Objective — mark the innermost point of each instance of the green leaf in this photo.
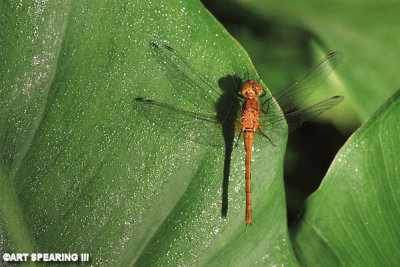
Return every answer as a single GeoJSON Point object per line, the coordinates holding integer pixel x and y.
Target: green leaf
{"type": "Point", "coordinates": [81, 171]}
{"type": "Point", "coordinates": [353, 218]}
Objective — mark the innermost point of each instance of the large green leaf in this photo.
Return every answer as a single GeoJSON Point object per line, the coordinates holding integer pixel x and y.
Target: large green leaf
{"type": "Point", "coordinates": [353, 218]}
{"type": "Point", "coordinates": [81, 171]}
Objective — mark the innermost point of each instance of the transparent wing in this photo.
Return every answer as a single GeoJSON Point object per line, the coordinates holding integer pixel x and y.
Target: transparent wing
{"type": "Point", "coordinates": [189, 83]}
{"type": "Point", "coordinates": [272, 124]}
{"type": "Point", "coordinates": [200, 128]}
{"type": "Point", "coordinates": [296, 118]}
{"type": "Point", "coordinates": [291, 97]}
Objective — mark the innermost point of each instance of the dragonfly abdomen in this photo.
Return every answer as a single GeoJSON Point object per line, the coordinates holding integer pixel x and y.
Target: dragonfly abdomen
{"type": "Point", "coordinates": [249, 125]}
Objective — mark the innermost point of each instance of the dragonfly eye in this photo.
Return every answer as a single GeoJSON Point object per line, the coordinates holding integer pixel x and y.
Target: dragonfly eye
{"type": "Point", "coordinates": [246, 88]}
{"type": "Point", "coordinates": [257, 88]}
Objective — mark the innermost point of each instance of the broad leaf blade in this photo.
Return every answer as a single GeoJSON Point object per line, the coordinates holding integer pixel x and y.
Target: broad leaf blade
{"type": "Point", "coordinates": [353, 217]}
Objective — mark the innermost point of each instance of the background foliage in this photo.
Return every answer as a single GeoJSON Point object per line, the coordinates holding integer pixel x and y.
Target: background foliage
{"type": "Point", "coordinates": [81, 171]}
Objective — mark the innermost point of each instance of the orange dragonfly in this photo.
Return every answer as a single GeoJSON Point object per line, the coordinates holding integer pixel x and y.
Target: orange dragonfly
{"type": "Point", "coordinates": [209, 107]}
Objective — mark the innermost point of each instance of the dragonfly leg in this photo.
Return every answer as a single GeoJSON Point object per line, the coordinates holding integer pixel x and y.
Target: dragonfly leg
{"type": "Point", "coordinates": [266, 111]}
{"type": "Point", "coordinates": [237, 141]}
{"type": "Point", "coordinates": [266, 136]}
{"type": "Point", "coordinates": [263, 93]}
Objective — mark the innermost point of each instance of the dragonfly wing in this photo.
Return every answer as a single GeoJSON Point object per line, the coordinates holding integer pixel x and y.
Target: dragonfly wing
{"type": "Point", "coordinates": [296, 118]}
{"type": "Point", "coordinates": [298, 92]}
{"type": "Point", "coordinates": [200, 128]}
{"type": "Point", "coordinates": [187, 81]}
{"type": "Point", "coordinates": [272, 122]}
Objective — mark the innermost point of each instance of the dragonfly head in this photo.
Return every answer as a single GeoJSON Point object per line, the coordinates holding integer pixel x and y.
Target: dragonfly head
{"type": "Point", "coordinates": [251, 88]}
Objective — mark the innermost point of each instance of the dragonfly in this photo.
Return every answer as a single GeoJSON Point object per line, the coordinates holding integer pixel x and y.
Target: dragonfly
{"type": "Point", "coordinates": [211, 116]}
